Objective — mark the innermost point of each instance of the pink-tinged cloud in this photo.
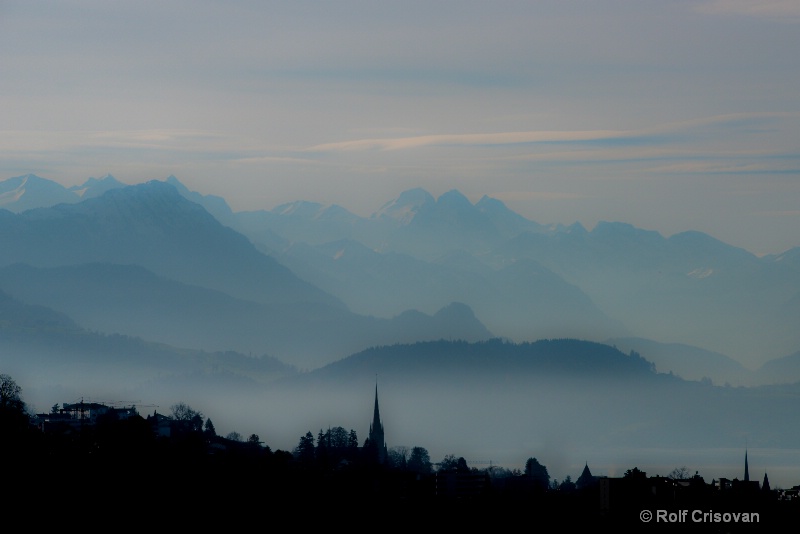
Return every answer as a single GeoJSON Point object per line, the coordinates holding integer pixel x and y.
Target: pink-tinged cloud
{"type": "Point", "coordinates": [503, 138]}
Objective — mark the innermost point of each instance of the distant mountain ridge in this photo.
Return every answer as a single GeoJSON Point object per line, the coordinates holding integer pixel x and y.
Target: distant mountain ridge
{"type": "Point", "coordinates": [30, 191]}
{"type": "Point", "coordinates": [56, 357]}
{"type": "Point", "coordinates": [689, 288]}
{"type": "Point", "coordinates": [131, 300]}
{"type": "Point", "coordinates": [488, 361]}
{"type": "Point", "coordinates": [284, 321]}
{"type": "Point", "coordinates": [143, 260]}
{"type": "Point", "coordinates": [525, 280]}
{"type": "Point", "coordinates": [152, 225]}
{"type": "Point", "coordinates": [690, 363]}
{"type": "Point", "coordinates": [495, 397]}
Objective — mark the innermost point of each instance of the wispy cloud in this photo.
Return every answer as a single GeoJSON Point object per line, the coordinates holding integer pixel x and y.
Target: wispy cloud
{"type": "Point", "coordinates": [483, 139]}
{"type": "Point", "coordinates": [707, 167]}
{"type": "Point", "coordinates": [656, 133]}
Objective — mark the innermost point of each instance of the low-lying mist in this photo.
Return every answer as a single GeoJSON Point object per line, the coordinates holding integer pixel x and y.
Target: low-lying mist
{"type": "Point", "coordinates": [565, 402]}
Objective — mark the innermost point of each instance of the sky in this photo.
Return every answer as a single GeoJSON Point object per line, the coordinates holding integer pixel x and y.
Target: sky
{"type": "Point", "coordinates": [671, 116]}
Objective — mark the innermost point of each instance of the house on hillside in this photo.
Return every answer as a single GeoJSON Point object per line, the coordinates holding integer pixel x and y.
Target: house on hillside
{"type": "Point", "coordinates": [161, 424]}
{"type": "Point", "coordinates": [81, 414]}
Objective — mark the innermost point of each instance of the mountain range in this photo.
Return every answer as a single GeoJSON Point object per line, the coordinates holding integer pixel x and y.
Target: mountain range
{"type": "Point", "coordinates": [162, 262]}
{"type": "Point", "coordinates": [482, 327]}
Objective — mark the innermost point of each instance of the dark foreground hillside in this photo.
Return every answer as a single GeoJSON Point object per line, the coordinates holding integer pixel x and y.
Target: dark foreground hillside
{"type": "Point", "coordinates": [114, 472]}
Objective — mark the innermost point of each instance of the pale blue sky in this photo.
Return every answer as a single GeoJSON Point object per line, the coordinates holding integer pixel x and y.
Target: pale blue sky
{"type": "Point", "coordinates": [671, 115]}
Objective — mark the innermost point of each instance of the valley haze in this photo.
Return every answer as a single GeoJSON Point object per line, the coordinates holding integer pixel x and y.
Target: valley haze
{"type": "Point", "coordinates": [562, 230]}
{"type": "Point", "coordinates": [489, 335]}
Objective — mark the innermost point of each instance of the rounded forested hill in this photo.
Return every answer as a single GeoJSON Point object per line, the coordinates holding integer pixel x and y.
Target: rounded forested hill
{"type": "Point", "coordinates": [460, 359]}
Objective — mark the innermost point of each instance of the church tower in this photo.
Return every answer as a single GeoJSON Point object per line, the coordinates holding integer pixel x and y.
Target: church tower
{"type": "Point", "coordinates": [746, 469]}
{"type": "Point", "coordinates": [586, 479]}
{"type": "Point", "coordinates": [375, 446]}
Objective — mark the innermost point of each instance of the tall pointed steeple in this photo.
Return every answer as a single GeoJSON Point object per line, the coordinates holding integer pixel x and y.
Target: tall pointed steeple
{"type": "Point", "coordinates": [376, 416]}
{"type": "Point", "coordinates": [376, 442]}
{"type": "Point", "coordinates": [746, 469]}
{"type": "Point", "coordinates": [586, 479]}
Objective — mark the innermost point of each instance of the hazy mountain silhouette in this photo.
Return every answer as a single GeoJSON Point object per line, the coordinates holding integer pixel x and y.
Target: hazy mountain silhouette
{"type": "Point", "coordinates": [26, 192]}
{"type": "Point", "coordinates": [384, 265]}
{"type": "Point", "coordinates": [130, 300]}
{"type": "Point", "coordinates": [153, 226]}
{"type": "Point", "coordinates": [690, 363]}
{"type": "Point", "coordinates": [54, 356]}
{"type": "Point", "coordinates": [487, 361]}
{"type": "Point", "coordinates": [308, 222]}
{"type": "Point", "coordinates": [94, 187]}
{"type": "Point", "coordinates": [507, 222]}
{"type": "Point", "coordinates": [98, 293]}
{"type": "Point", "coordinates": [494, 397]}
{"type": "Point", "coordinates": [689, 288]}
{"type": "Point", "coordinates": [524, 280]}
{"type": "Point", "coordinates": [216, 206]}
{"type": "Point", "coordinates": [198, 283]}
{"type": "Point", "coordinates": [30, 191]}
{"type": "Point", "coordinates": [520, 296]}
{"type": "Point", "coordinates": [17, 316]}
{"type": "Point", "coordinates": [490, 398]}
{"type": "Point", "coordinates": [785, 370]}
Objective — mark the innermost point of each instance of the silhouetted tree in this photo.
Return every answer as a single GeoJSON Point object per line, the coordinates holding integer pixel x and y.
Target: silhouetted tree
{"type": "Point", "coordinates": [322, 444]}
{"type": "Point", "coordinates": [234, 436]}
{"type": "Point", "coordinates": [254, 439]}
{"type": "Point", "coordinates": [634, 473]}
{"type": "Point", "coordinates": [14, 419]}
{"type": "Point", "coordinates": [398, 457]}
{"type": "Point", "coordinates": [452, 464]}
{"type": "Point", "coordinates": [182, 411]}
{"type": "Point", "coordinates": [448, 463]}
{"type": "Point", "coordinates": [304, 451]}
{"type": "Point", "coordinates": [461, 465]}
{"type": "Point", "coordinates": [10, 394]}
{"type": "Point", "coordinates": [335, 445]}
{"type": "Point", "coordinates": [419, 461]}
{"type": "Point", "coordinates": [537, 472]}
{"type": "Point", "coordinates": [187, 418]}
{"type": "Point", "coordinates": [338, 438]}
{"type": "Point", "coordinates": [567, 485]}
{"type": "Point", "coordinates": [496, 471]}
{"type": "Point", "coordinates": [209, 428]}
{"type": "Point", "coordinates": [679, 473]}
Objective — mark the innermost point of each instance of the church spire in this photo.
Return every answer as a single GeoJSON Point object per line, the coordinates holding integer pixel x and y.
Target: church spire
{"type": "Point", "coordinates": [746, 469]}
{"type": "Point", "coordinates": [376, 443]}
{"type": "Point", "coordinates": [586, 479]}
{"type": "Point", "coordinates": [376, 416]}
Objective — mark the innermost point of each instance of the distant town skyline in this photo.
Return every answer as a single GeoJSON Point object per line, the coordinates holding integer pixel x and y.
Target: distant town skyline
{"type": "Point", "coordinates": [669, 116]}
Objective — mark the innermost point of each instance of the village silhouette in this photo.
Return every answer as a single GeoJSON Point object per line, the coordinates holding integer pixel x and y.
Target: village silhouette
{"type": "Point", "coordinates": [104, 453]}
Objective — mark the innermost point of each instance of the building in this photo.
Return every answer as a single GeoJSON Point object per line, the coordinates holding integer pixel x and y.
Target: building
{"type": "Point", "coordinates": [375, 445]}
{"type": "Point", "coordinates": [81, 414]}
{"type": "Point", "coordinates": [586, 479]}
